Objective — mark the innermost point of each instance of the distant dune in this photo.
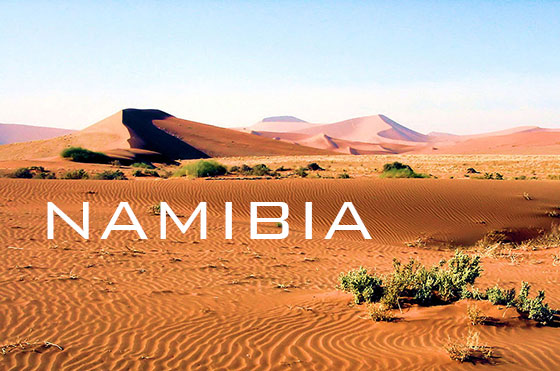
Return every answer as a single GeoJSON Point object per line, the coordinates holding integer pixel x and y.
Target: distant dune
{"type": "Point", "coordinates": [154, 135]}
{"type": "Point", "coordinates": [14, 133]}
{"type": "Point", "coordinates": [134, 134]}
{"type": "Point", "coordinates": [280, 124]}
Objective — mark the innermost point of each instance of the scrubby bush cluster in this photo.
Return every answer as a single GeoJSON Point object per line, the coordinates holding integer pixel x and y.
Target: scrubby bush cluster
{"type": "Point", "coordinates": [110, 175]}
{"type": "Point", "coordinates": [143, 165]}
{"type": "Point", "coordinates": [257, 170]}
{"type": "Point", "coordinates": [443, 283]}
{"type": "Point", "coordinates": [79, 154]}
{"type": "Point", "coordinates": [33, 172]}
{"type": "Point", "coordinates": [202, 169]}
{"type": "Point", "coordinates": [400, 170]}
{"type": "Point", "coordinates": [76, 174]}
{"type": "Point", "coordinates": [146, 172]}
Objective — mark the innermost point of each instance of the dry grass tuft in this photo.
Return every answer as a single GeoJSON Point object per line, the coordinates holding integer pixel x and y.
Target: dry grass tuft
{"type": "Point", "coordinates": [380, 312]}
{"type": "Point", "coordinates": [475, 315]}
{"type": "Point", "coordinates": [471, 350]}
{"type": "Point", "coordinates": [27, 346]}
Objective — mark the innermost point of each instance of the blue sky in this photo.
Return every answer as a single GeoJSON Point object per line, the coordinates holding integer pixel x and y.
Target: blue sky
{"type": "Point", "coordinates": [451, 66]}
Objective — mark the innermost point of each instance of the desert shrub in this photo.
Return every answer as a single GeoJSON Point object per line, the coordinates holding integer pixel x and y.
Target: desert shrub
{"type": "Point", "coordinates": [140, 173]}
{"type": "Point", "coordinates": [79, 154]}
{"type": "Point", "coordinates": [344, 175]}
{"type": "Point", "coordinates": [260, 170]}
{"type": "Point", "coordinates": [471, 350]}
{"type": "Point", "coordinates": [379, 312]}
{"type": "Point", "coordinates": [414, 281]}
{"type": "Point", "coordinates": [399, 170]}
{"type": "Point", "coordinates": [499, 296]}
{"type": "Point", "coordinates": [155, 209]}
{"type": "Point", "coordinates": [300, 171]}
{"type": "Point", "coordinates": [282, 168]}
{"type": "Point", "coordinates": [110, 175]}
{"type": "Point", "coordinates": [76, 174]}
{"type": "Point", "coordinates": [364, 287]}
{"type": "Point", "coordinates": [201, 169]}
{"type": "Point", "coordinates": [35, 172]}
{"type": "Point", "coordinates": [246, 169]}
{"type": "Point", "coordinates": [116, 163]}
{"type": "Point", "coordinates": [137, 173]}
{"type": "Point", "coordinates": [22, 172]}
{"type": "Point", "coordinates": [234, 169]}
{"type": "Point", "coordinates": [143, 165]}
{"type": "Point", "coordinates": [314, 167]}
{"type": "Point", "coordinates": [475, 315]}
{"type": "Point", "coordinates": [472, 170]}
{"type": "Point", "coordinates": [535, 308]}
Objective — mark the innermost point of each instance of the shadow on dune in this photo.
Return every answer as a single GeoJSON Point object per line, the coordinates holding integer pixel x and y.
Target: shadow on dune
{"type": "Point", "coordinates": [145, 135]}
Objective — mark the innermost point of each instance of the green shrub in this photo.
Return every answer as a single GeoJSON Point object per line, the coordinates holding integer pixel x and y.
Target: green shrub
{"type": "Point", "coordinates": [535, 308]}
{"type": "Point", "coordinates": [35, 172]}
{"type": "Point", "coordinates": [300, 171]}
{"type": "Point", "coordinates": [202, 168]}
{"type": "Point", "coordinates": [498, 296]}
{"type": "Point", "coordinates": [234, 169]}
{"type": "Point", "coordinates": [140, 173]}
{"type": "Point", "coordinates": [364, 287]}
{"type": "Point", "coordinates": [110, 175]}
{"type": "Point", "coordinates": [314, 167]}
{"type": "Point", "coordinates": [414, 281]}
{"type": "Point", "coordinates": [344, 175]}
{"type": "Point", "coordinates": [143, 165]}
{"type": "Point", "coordinates": [79, 154]}
{"type": "Point", "coordinates": [22, 172]}
{"type": "Point", "coordinates": [76, 174]}
{"type": "Point", "coordinates": [260, 170]}
{"type": "Point", "coordinates": [399, 170]}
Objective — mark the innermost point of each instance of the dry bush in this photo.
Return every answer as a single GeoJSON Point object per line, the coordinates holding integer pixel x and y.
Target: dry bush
{"type": "Point", "coordinates": [475, 315]}
{"type": "Point", "coordinates": [27, 346]}
{"type": "Point", "coordinates": [380, 312]}
{"type": "Point", "coordinates": [471, 350]}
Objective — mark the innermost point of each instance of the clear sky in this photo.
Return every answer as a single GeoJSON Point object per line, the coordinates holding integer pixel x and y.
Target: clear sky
{"type": "Point", "coordinates": [452, 66]}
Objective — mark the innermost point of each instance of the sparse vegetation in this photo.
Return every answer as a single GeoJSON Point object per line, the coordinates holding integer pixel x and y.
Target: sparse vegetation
{"type": "Point", "coordinates": [110, 175]}
{"type": "Point", "coordinates": [146, 172]}
{"type": "Point", "coordinates": [35, 172]}
{"type": "Point", "coordinates": [445, 282]}
{"type": "Point", "coordinates": [79, 154]}
{"type": "Point", "coordinates": [379, 312]}
{"type": "Point", "coordinates": [344, 175]}
{"type": "Point", "coordinates": [400, 170]}
{"type": "Point", "coordinates": [475, 315]}
{"type": "Point", "coordinates": [314, 167]}
{"type": "Point", "coordinates": [300, 171]}
{"type": "Point", "coordinates": [143, 165]}
{"type": "Point", "coordinates": [27, 346]}
{"type": "Point", "coordinates": [471, 350]}
{"type": "Point", "coordinates": [155, 209]}
{"type": "Point", "coordinates": [76, 174]}
{"type": "Point", "coordinates": [202, 169]}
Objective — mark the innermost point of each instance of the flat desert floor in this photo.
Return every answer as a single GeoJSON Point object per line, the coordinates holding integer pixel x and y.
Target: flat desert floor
{"type": "Point", "coordinates": [187, 303]}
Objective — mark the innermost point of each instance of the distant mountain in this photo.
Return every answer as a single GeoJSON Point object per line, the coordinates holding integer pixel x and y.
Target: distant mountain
{"type": "Point", "coordinates": [14, 133]}
{"type": "Point", "coordinates": [135, 134]}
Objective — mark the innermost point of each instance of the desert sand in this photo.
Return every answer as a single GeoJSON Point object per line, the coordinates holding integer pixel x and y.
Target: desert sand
{"type": "Point", "coordinates": [186, 303]}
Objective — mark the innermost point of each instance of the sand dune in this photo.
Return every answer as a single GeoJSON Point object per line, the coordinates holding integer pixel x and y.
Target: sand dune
{"type": "Point", "coordinates": [532, 141]}
{"type": "Point", "coordinates": [187, 303]}
{"type": "Point", "coordinates": [13, 133]}
{"type": "Point", "coordinates": [280, 124]}
{"type": "Point", "coordinates": [154, 135]}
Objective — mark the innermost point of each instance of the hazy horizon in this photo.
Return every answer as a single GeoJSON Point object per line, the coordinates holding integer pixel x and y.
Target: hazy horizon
{"type": "Point", "coordinates": [458, 67]}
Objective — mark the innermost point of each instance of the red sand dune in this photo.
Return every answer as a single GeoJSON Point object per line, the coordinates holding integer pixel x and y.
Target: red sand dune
{"type": "Point", "coordinates": [152, 134]}
{"type": "Point", "coordinates": [280, 124]}
{"type": "Point", "coordinates": [14, 133]}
